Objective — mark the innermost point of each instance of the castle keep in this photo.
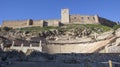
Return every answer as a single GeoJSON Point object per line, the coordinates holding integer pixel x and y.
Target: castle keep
{"type": "Point", "coordinates": [66, 18]}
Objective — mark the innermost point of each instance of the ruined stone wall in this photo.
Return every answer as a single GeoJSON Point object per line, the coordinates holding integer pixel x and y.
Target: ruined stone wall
{"type": "Point", "coordinates": [106, 22]}
{"type": "Point", "coordinates": [14, 24]}
{"type": "Point", "coordinates": [70, 48]}
{"type": "Point", "coordinates": [30, 23]}
{"type": "Point", "coordinates": [38, 23]}
{"type": "Point", "coordinates": [66, 18]}
{"type": "Point", "coordinates": [52, 22]}
{"type": "Point", "coordinates": [83, 19]}
{"type": "Point", "coordinates": [51, 49]}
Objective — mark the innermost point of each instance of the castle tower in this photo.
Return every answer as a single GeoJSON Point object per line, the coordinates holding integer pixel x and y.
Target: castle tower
{"type": "Point", "coordinates": [65, 16]}
{"type": "Point", "coordinates": [29, 22]}
{"type": "Point", "coordinates": [96, 18]}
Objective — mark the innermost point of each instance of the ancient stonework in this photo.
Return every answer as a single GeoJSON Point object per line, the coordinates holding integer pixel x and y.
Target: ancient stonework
{"type": "Point", "coordinates": [66, 18]}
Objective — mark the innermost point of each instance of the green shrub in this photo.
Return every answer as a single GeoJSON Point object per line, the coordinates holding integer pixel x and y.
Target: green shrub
{"type": "Point", "coordinates": [94, 27]}
{"type": "Point", "coordinates": [116, 27]}
{"type": "Point", "coordinates": [37, 29]}
{"type": "Point", "coordinates": [7, 28]}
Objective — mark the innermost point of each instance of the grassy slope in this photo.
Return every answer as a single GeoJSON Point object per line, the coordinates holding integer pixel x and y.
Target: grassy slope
{"type": "Point", "coordinates": [93, 27]}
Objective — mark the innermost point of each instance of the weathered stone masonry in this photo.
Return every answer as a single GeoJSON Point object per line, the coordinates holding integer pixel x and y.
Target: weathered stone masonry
{"type": "Point", "coordinates": [66, 18]}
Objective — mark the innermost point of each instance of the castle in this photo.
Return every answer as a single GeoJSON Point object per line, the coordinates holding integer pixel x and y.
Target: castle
{"type": "Point", "coordinates": [66, 18]}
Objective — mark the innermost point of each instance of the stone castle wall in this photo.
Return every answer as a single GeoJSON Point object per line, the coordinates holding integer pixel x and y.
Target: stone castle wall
{"type": "Point", "coordinates": [66, 18]}
{"type": "Point", "coordinates": [52, 22]}
{"type": "Point", "coordinates": [14, 24]}
{"type": "Point", "coordinates": [72, 48]}
{"type": "Point", "coordinates": [104, 21]}
{"type": "Point", "coordinates": [83, 19]}
{"type": "Point", "coordinates": [38, 23]}
{"type": "Point", "coordinates": [30, 23]}
{"type": "Point", "coordinates": [52, 49]}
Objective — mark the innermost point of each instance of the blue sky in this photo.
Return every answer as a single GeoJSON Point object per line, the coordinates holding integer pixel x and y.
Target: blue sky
{"type": "Point", "coordinates": [50, 9]}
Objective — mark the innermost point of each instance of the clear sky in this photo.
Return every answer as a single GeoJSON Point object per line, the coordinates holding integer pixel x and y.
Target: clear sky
{"type": "Point", "coordinates": [50, 9]}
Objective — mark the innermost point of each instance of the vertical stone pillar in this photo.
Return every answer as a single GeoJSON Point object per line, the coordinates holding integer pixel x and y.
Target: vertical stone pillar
{"type": "Point", "coordinates": [40, 46]}
{"type": "Point", "coordinates": [60, 48]}
{"type": "Point", "coordinates": [83, 34]}
{"type": "Point", "coordinates": [30, 45]}
{"type": "Point", "coordinates": [41, 23]}
{"type": "Point", "coordinates": [21, 47]}
{"type": "Point", "coordinates": [13, 44]}
{"type": "Point", "coordinates": [2, 46]}
{"type": "Point", "coordinates": [96, 18]}
{"type": "Point", "coordinates": [110, 63]}
{"type": "Point", "coordinates": [95, 35]}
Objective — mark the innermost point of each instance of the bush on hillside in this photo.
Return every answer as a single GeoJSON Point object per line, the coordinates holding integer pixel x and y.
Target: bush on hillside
{"type": "Point", "coordinates": [7, 28]}
{"type": "Point", "coordinates": [98, 28]}
{"type": "Point", "coordinates": [94, 27]}
{"type": "Point", "coordinates": [116, 27]}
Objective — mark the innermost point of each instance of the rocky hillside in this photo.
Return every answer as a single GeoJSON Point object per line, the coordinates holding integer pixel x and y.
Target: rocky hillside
{"type": "Point", "coordinates": [88, 32]}
{"type": "Point", "coordinates": [72, 33]}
